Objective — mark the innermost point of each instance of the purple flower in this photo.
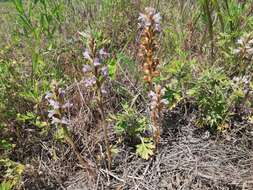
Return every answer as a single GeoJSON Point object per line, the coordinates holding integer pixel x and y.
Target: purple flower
{"type": "Point", "coordinates": [67, 105]}
{"type": "Point", "coordinates": [64, 121]}
{"type": "Point", "coordinates": [144, 20]}
{"type": "Point", "coordinates": [86, 54]}
{"type": "Point", "coordinates": [61, 93]}
{"type": "Point", "coordinates": [103, 91]}
{"type": "Point", "coordinates": [150, 16]}
{"type": "Point", "coordinates": [151, 94]}
{"type": "Point", "coordinates": [250, 52]}
{"type": "Point", "coordinates": [54, 104]}
{"type": "Point", "coordinates": [245, 48]}
{"type": "Point", "coordinates": [48, 95]}
{"type": "Point", "coordinates": [104, 71]}
{"type": "Point", "coordinates": [96, 62]}
{"type": "Point", "coordinates": [157, 17]}
{"type": "Point", "coordinates": [86, 69]}
{"type": "Point", "coordinates": [90, 81]}
{"type": "Point", "coordinates": [51, 113]}
{"type": "Point", "coordinates": [103, 53]}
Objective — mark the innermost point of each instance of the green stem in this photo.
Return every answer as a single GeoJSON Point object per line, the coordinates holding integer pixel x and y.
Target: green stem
{"type": "Point", "coordinates": [228, 12]}
{"type": "Point", "coordinates": [217, 7]}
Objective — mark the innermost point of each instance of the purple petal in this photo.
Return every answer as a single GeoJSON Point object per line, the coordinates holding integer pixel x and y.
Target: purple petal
{"type": "Point", "coordinates": [55, 120]}
{"type": "Point", "coordinates": [61, 93]}
{"type": "Point", "coordinates": [250, 51]}
{"type": "Point", "coordinates": [54, 104]}
{"type": "Point", "coordinates": [103, 53]}
{"type": "Point", "coordinates": [104, 71]}
{"type": "Point", "coordinates": [104, 91]}
{"type": "Point", "coordinates": [51, 113]}
{"type": "Point", "coordinates": [157, 17]}
{"type": "Point", "coordinates": [48, 95]}
{"type": "Point", "coordinates": [64, 121]}
{"type": "Point", "coordinates": [151, 94]}
{"type": "Point", "coordinates": [96, 62]}
{"type": "Point", "coordinates": [90, 81]}
{"type": "Point", "coordinates": [86, 69]}
{"type": "Point", "coordinates": [67, 105]}
{"type": "Point", "coordinates": [86, 54]}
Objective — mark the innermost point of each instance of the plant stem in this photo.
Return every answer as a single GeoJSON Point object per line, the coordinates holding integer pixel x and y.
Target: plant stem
{"type": "Point", "coordinates": [103, 123]}
{"type": "Point", "coordinates": [157, 133]}
{"type": "Point", "coordinates": [228, 12]}
{"type": "Point", "coordinates": [81, 160]}
{"type": "Point", "coordinates": [217, 7]}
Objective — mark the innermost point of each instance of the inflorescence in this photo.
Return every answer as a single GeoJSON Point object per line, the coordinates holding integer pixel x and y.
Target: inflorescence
{"type": "Point", "coordinates": [96, 73]}
{"type": "Point", "coordinates": [150, 26]}
{"type": "Point", "coordinates": [245, 49]}
{"type": "Point", "coordinates": [58, 105]}
{"type": "Point", "coordinates": [157, 105]}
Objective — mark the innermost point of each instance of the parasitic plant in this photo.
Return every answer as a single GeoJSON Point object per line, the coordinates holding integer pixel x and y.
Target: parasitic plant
{"type": "Point", "coordinates": [157, 105]}
{"type": "Point", "coordinates": [59, 107]}
{"type": "Point", "coordinates": [245, 47]}
{"type": "Point", "coordinates": [96, 73]}
{"type": "Point", "coordinates": [244, 52]}
{"type": "Point", "coordinates": [150, 26]}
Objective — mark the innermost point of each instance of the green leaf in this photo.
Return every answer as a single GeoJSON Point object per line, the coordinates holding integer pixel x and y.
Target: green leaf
{"type": "Point", "coordinates": [5, 145]}
{"type": "Point", "coordinates": [145, 149]}
{"type": "Point", "coordinates": [60, 134]}
{"type": "Point", "coordinates": [6, 185]}
{"type": "Point", "coordinates": [112, 66]}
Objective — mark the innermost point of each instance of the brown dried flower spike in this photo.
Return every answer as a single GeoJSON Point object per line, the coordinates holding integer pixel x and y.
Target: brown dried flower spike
{"type": "Point", "coordinates": [150, 25]}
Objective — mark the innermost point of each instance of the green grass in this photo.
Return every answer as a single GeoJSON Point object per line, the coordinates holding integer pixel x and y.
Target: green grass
{"type": "Point", "coordinates": [45, 43]}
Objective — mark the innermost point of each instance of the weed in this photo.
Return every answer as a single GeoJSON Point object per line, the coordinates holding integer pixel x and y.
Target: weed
{"type": "Point", "coordinates": [129, 123]}
{"type": "Point", "coordinates": [150, 25]}
{"type": "Point", "coordinates": [145, 149]}
{"type": "Point", "coordinates": [12, 175]}
{"type": "Point", "coordinates": [212, 92]}
{"type": "Point", "coordinates": [57, 116]}
{"type": "Point", "coordinates": [96, 72]}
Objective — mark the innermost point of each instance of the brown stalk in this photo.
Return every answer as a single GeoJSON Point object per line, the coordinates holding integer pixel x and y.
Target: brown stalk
{"type": "Point", "coordinates": [148, 47]}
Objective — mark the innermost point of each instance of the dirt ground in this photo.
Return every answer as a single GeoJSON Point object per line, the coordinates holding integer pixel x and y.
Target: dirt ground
{"type": "Point", "coordinates": [188, 158]}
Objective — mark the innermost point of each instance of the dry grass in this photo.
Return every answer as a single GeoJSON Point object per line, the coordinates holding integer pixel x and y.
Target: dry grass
{"type": "Point", "coordinates": [188, 158]}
